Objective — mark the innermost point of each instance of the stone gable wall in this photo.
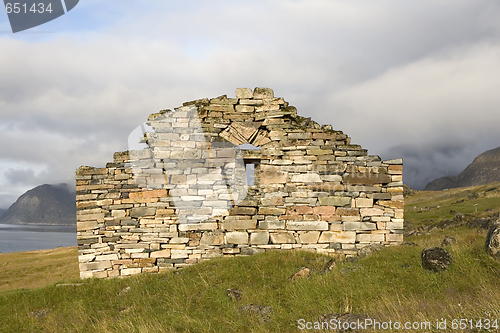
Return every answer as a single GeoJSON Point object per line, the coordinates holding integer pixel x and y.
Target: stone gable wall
{"type": "Point", "coordinates": [183, 197]}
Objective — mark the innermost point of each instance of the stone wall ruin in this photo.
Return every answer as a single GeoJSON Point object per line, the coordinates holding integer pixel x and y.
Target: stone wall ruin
{"type": "Point", "coordinates": [233, 176]}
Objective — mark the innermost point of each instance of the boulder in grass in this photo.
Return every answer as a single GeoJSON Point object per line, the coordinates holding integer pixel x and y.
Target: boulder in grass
{"type": "Point", "coordinates": [234, 294]}
{"type": "Point", "coordinates": [448, 240]}
{"type": "Point", "coordinates": [262, 311]}
{"type": "Point", "coordinates": [492, 245]}
{"type": "Point", "coordinates": [435, 259]}
{"type": "Point", "coordinates": [303, 273]}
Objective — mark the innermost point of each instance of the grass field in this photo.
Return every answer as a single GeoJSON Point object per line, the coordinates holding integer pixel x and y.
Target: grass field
{"type": "Point", "coordinates": [387, 285]}
{"type": "Point", "coordinates": [34, 269]}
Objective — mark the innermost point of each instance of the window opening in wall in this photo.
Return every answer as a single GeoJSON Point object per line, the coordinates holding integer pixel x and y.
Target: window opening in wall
{"type": "Point", "coordinates": [251, 158]}
{"type": "Point", "coordinates": [250, 173]}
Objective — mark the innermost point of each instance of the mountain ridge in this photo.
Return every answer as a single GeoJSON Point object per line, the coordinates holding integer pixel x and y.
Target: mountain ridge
{"type": "Point", "coordinates": [43, 205]}
{"type": "Point", "coordinates": [483, 170]}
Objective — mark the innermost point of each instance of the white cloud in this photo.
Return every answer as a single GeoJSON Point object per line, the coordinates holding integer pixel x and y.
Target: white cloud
{"type": "Point", "coordinates": [446, 97]}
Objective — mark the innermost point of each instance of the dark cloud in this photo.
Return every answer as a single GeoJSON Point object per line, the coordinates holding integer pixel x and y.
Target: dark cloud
{"type": "Point", "coordinates": [424, 163]}
{"type": "Point", "coordinates": [20, 176]}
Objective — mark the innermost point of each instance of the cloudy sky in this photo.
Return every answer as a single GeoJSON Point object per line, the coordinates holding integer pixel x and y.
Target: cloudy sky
{"type": "Point", "coordinates": [412, 79]}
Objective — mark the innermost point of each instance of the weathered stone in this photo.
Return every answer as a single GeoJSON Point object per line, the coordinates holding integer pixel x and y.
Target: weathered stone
{"type": "Point", "coordinates": [243, 211]}
{"type": "Point", "coordinates": [244, 93]}
{"type": "Point", "coordinates": [259, 237]}
{"type": "Point", "coordinates": [448, 240]}
{"type": "Point", "coordinates": [331, 178]}
{"type": "Point", "coordinates": [383, 196]}
{"type": "Point", "coordinates": [324, 210]}
{"type": "Point", "coordinates": [492, 244]}
{"type": "Point", "coordinates": [148, 194]}
{"type": "Point", "coordinates": [347, 211]}
{"type": "Point", "coordinates": [391, 204]}
{"type": "Point", "coordinates": [371, 212]}
{"type": "Point", "coordinates": [364, 202]}
{"type": "Point", "coordinates": [92, 266]}
{"type": "Point", "coordinates": [271, 211]}
{"type": "Point", "coordinates": [435, 259]}
{"type": "Point", "coordinates": [370, 238]}
{"type": "Point", "coordinates": [263, 93]}
{"type": "Point", "coordinates": [394, 161]}
{"type": "Point", "coordinates": [212, 238]}
{"type": "Point", "coordinates": [161, 254]}
{"type": "Point", "coordinates": [394, 225]}
{"type": "Point", "coordinates": [234, 294]}
{"type": "Point", "coordinates": [307, 225]}
{"type": "Point", "coordinates": [335, 201]}
{"type": "Point", "coordinates": [244, 108]}
{"type": "Point", "coordinates": [306, 178]}
{"type": "Point", "coordinates": [337, 237]}
{"type": "Point", "coordinates": [82, 226]}
{"type": "Point", "coordinates": [272, 175]}
{"type": "Point", "coordinates": [271, 225]}
{"type": "Point", "coordinates": [239, 224]}
{"type": "Point", "coordinates": [366, 178]}
{"type": "Point", "coordinates": [130, 271]}
{"type": "Point", "coordinates": [237, 237]}
{"type": "Point", "coordinates": [142, 211]}
{"type": "Point", "coordinates": [303, 273]}
{"type": "Point", "coordinates": [394, 238]}
{"type": "Point", "coordinates": [309, 237]}
{"type": "Point", "coordinates": [299, 210]}
{"type": "Point", "coordinates": [282, 237]}
{"type": "Point", "coordinates": [274, 201]}
{"type": "Point", "coordinates": [262, 311]}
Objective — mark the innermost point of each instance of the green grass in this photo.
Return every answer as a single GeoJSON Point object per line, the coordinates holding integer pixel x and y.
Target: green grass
{"type": "Point", "coordinates": [32, 269]}
{"type": "Point", "coordinates": [388, 285]}
{"type": "Point", "coordinates": [427, 207]}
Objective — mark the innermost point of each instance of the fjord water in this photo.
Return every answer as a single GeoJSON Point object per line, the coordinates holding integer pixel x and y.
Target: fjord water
{"type": "Point", "coordinates": [15, 238]}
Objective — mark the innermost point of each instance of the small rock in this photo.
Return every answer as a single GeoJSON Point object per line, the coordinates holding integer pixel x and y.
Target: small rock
{"type": "Point", "coordinates": [492, 245]}
{"type": "Point", "coordinates": [409, 244]}
{"type": "Point", "coordinates": [234, 294]}
{"type": "Point", "coordinates": [448, 240]}
{"type": "Point", "coordinates": [255, 309]}
{"type": "Point", "coordinates": [435, 259]}
{"type": "Point", "coordinates": [302, 274]}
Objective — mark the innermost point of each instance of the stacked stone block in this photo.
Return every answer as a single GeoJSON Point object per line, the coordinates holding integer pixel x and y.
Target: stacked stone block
{"type": "Point", "coordinates": [183, 197]}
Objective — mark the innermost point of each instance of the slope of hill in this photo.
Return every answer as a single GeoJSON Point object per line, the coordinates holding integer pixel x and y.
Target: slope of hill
{"type": "Point", "coordinates": [483, 170]}
{"type": "Point", "coordinates": [44, 204]}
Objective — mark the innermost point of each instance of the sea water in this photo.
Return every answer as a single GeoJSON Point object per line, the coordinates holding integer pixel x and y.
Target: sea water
{"type": "Point", "coordinates": [14, 238]}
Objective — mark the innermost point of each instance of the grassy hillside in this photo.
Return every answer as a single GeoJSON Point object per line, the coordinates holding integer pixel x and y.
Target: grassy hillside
{"type": "Point", "coordinates": [32, 269]}
{"type": "Point", "coordinates": [387, 285]}
{"type": "Point", "coordinates": [427, 207]}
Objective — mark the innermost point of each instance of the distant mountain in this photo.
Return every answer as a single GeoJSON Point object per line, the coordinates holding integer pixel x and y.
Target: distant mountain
{"type": "Point", "coordinates": [44, 204]}
{"type": "Point", "coordinates": [483, 170]}
{"type": "Point", "coordinates": [2, 211]}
